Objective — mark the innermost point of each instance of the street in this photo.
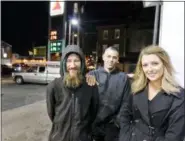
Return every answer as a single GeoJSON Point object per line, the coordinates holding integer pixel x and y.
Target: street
{"type": "Point", "coordinates": [24, 115]}
{"type": "Point", "coordinates": [14, 95]}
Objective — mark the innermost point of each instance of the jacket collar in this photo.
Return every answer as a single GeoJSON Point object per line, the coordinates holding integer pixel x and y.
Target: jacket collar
{"type": "Point", "coordinates": [112, 72]}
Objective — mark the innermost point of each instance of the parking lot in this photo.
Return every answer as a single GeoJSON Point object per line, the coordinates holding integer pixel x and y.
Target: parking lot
{"type": "Point", "coordinates": [14, 95]}
{"type": "Point", "coordinates": [24, 115]}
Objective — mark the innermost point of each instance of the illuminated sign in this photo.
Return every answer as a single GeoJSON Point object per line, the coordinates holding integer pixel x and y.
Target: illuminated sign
{"type": "Point", "coordinates": [39, 51]}
{"type": "Point", "coordinates": [53, 35]}
{"type": "Point", "coordinates": [56, 46]}
{"type": "Point", "coordinates": [56, 8]}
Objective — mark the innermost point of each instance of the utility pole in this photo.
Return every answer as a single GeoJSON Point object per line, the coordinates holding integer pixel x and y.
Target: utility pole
{"type": "Point", "coordinates": [49, 27]}
{"type": "Point", "coordinates": [74, 32]}
{"type": "Point", "coordinates": [157, 4]}
{"type": "Point", "coordinates": [64, 26]}
{"type": "Point", "coordinates": [69, 34]}
{"type": "Point", "coordinates": [156, 22]}
{"type": "Point", "coordinates": [76, 15]}
{"type": "Point", "coordinates": [78, 35]}
{"type": "Point", "coordinates": [78, 28]}
{"type": "Point", "coordinates": [81, 36]}
{"type": "Point", "coordinates": [73, 38]}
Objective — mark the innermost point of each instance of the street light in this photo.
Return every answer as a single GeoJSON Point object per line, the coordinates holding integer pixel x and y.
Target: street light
{"type": "Point", "coordinates": [5, 55]}
{"type": "Point", "coordinates": [74, 22]}
{"type": "Point", "coordinates": [75, 35]}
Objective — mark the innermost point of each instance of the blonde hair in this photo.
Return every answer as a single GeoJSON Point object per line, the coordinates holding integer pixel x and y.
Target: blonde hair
{"type": "Point", "coordinates": [168, 84]}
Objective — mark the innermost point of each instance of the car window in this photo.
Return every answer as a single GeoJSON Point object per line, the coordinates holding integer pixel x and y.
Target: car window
{"type": "Point", "coordinates": [32, 69]}
{"type": "Point", "coordinates": [41, 69]}
{"type": "Point", "coordinates": [15, 65]}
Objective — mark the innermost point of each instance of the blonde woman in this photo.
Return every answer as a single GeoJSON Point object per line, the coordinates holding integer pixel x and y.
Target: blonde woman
{"type": "Point", "coordinates": [155, 111]}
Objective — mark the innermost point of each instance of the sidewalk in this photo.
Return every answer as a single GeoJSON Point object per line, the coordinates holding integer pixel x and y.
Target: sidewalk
{"type": "Point", "coordinates": [6, 77]}
{"type": "Point", "coordinates": [27, 123]}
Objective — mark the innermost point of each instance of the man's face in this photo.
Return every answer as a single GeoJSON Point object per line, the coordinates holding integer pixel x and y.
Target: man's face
{"type": "Point", "coordinates": [73, 64]}
{"type": "Point", "coordinates": [110, 58]}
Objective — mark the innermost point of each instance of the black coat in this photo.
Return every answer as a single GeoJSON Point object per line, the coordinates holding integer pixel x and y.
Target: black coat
{"type": "Point", "coordinates": [71, 112]}
{"type": "Point", "coordinates": [166, 121]}
{"type": "Point", "coordinates": [114, 89]}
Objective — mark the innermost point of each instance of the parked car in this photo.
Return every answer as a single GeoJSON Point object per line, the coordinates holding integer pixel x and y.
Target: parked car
{"type": "Point", "coordinates": [37, 74]}
{"type": "Point", "coordinates": [19, 67]}
{"type": "Point", "coordinates": [6, 70]}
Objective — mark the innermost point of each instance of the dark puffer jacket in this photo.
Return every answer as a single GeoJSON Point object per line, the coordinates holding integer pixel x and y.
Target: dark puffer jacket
{"type": "Point", "coordinates": [114, 90]}
{"type": "Point", "coordinates": [72, 112]}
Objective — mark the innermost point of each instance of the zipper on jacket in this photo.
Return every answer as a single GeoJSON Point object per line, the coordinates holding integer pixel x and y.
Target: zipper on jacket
{"type": "Point", "coordinates": [54, 135]}
{"type": "Point", "coordinates": [73, 115]}
{"type": "Point", "coordinates": [56, 132]}
{"type": "Point", "coordinates": [107, 82]}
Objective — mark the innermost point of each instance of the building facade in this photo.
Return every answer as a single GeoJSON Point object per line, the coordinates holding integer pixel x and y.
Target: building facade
{"type": "Point", "coordinates": [128, 39]}
{"type": "Point", "coordinates": [111, 36]}
{"type": "Point", "coordinates": [6, 53]}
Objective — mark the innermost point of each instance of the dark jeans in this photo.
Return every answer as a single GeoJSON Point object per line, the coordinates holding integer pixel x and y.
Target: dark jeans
{"type": "Point", "coordinates": [111, 132]}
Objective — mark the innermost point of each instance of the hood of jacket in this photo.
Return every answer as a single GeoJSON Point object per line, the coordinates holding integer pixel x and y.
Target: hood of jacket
{"type": "Point", "coordinates": [68, 50]}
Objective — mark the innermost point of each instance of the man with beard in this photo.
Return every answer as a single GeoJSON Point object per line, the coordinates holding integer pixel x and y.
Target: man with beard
{"type": "Point", "coordinates": [71, 103]}
{"type": "Point", "coordinates": [114, 88]}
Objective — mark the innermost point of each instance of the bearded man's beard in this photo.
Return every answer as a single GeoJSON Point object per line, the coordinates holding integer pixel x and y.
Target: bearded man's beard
{"type": "Point", "coordinates": [73, 81]}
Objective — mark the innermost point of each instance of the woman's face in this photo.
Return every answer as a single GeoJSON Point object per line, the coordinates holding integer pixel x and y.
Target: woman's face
{"type": "Point", "coordinates": [153, 67]}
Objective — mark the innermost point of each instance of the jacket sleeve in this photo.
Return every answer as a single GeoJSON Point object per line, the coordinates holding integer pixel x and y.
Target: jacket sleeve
{"type": "Point", "coordinates": [125, 98]}
{"type": "Point", "coordinates": [176, 128]}
{"type": "Point", "coordinates": [126, 117]}
{"type": "Point", "coordinates": [95, 103]}
{"type": "Point", "coordinates": [50, 101]}
{"type": "Point", "coordinates": [97, 131]}
{"type": "Point", "coordinates": [125, 114]}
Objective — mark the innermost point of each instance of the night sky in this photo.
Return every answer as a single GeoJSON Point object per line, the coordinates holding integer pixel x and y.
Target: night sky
{"type": "Point", "coordinates": [25, 24]}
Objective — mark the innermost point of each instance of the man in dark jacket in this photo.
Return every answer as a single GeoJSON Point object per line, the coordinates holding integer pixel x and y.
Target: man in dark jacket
{"type": "Point", "coordinates": [114, 88]}
{"type": "Point", "coordinates": [71, 103]}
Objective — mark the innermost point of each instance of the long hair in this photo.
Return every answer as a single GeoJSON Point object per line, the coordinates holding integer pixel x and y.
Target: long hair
{"type": "Point", "coordinates": [168, 84]}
